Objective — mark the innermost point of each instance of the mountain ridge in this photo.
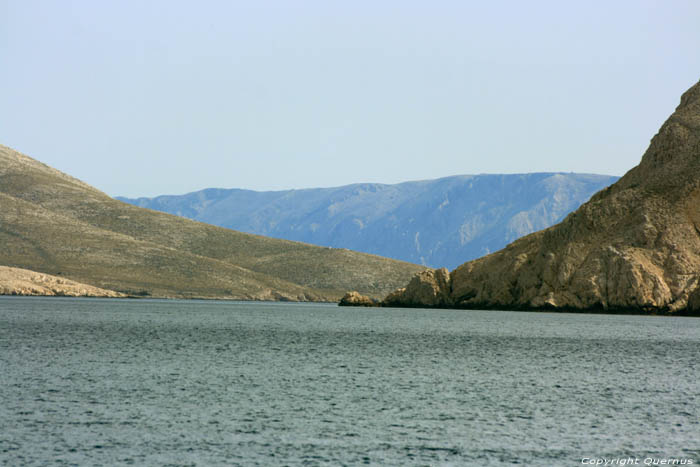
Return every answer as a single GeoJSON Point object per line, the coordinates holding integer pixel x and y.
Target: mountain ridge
{"type": "Point", "coordinates": [441, 221]}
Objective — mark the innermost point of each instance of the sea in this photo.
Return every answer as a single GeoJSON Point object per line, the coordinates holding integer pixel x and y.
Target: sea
{"type": "Point", "coordinates": [108, 382]}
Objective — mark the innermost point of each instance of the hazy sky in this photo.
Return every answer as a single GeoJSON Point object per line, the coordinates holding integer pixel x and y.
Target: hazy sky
{"type": "Point", "coordinates": [140, 98]}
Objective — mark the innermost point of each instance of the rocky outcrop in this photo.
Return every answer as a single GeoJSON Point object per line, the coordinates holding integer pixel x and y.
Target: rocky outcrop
{"type": "Point", "coordinates": [634, 247]}
{"type": "Point", "coordinates": [16, 281]}
{"type": "Point", "coordinates": [355, 298]}
{"type": "Point", "coordinates": [429, 288]}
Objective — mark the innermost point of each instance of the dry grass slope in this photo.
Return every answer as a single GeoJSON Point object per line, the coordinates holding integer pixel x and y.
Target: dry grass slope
{"type": "Point", "coordinates": [56, 224]}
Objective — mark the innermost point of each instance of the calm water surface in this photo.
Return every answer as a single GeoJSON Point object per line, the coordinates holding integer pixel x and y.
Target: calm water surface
{"type": "Point", "coordinates": [148, 382]}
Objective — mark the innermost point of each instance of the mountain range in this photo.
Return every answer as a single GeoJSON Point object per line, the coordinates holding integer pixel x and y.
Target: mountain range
{"type": "Point", "coordinates": [442, 222]}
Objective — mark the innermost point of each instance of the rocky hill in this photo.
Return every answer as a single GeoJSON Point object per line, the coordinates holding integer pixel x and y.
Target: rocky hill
{"type": "Point", "coordinates": [634, 247]}
{"type": "Point", "coordinates": [54, 224]}
{"type": "Point", "coordinates": [440, 222]}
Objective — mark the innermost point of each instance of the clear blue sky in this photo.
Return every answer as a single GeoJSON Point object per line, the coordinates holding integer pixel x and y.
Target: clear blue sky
{"type": "Point", "coordinates": [140, 98]}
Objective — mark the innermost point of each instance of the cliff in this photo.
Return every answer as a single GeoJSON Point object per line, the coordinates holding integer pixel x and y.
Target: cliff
{"type": "Point", "coordinates": [634, 247]}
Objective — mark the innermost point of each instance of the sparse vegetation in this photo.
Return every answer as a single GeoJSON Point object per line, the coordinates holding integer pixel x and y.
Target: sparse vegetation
{"type": "Point", "coordinates": [51, 223]}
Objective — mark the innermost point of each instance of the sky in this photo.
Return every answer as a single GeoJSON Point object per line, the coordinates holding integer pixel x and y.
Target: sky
{"type": "Point", "coordinates": [167, 97]}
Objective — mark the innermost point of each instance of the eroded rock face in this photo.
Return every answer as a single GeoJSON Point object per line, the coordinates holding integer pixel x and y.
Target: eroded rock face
{"type": "Point", "coordinates": [635, 246]}
{"type": "Point", "coordinates": [429, 288]}
{"type": "Point", "coordinates": [357, 299]}
{"type": "Point", "coordinates": [694, 302]}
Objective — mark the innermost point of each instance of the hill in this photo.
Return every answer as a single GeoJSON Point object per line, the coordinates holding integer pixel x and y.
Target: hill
{"type": "Point", "coordinates": [634, 247]}
{"type": "Point", "coordinates": [441, 222]}
{"type": "Point", "coordinates": [54, 224]}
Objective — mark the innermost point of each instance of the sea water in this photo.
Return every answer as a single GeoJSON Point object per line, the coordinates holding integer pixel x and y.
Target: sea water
{"type": "Point", "coordinates": [157, 382]}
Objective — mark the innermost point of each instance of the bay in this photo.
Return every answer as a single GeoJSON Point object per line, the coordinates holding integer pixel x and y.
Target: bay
{"type": "Point", "coordinates": [166, 382]}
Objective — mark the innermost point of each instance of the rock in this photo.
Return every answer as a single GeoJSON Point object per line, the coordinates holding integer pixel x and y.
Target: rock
{"type": "Point", "coordinates": [17, 281]}
{"type": "Point", "coordinates": [356, 299]}
{"type": "Point", "coordinates": [429, 288]}
{"type": "Point", "coordinates": [694, 302]}
{"type": "Point", "coordinates": [634, 247]}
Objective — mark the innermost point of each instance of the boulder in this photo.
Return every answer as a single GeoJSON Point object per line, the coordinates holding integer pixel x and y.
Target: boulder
{"type": "Point", "coordinates": [356, 299]}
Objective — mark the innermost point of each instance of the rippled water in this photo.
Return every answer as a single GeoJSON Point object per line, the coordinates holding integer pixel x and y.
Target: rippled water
{"type": "Point", "coordinates": [148, 382]}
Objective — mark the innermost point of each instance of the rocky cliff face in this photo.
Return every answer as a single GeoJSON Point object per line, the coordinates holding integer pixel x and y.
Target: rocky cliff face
{"type": "Point", "coordinates": [428, 288]}
{"type": "Point", "coordinates": [635, 246]}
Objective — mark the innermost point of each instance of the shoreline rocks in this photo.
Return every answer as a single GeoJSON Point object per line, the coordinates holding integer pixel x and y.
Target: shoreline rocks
{"type": "Point", "coordinates": [429, 288]}
{"type": "Point", "coordinates": [355, 298]}
{"type": "Point", "coordinates": [17, 281]}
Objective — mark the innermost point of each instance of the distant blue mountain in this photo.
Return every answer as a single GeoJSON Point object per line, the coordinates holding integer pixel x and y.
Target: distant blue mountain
{"type": "Point", "coordinates": [442, 222]}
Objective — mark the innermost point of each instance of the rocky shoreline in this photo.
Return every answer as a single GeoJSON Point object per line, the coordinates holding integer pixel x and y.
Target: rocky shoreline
{"type": "Point", "coordinates": [17, 281]}
{"type": "Point", "coordinates": [432, 288]}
